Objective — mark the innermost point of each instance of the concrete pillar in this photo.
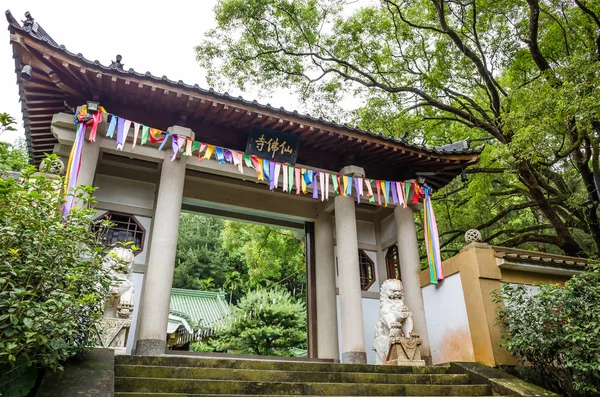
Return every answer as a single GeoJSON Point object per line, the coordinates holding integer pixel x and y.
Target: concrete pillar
{"type": "Point", "coordinates": [353, 334]}
{"type": "Point", "coordinates": [89, 161]}
{"type": "Point", "coordinates": [408, 252]}
{"type": "Point", "coordinates": [327, 333]}
{"type": "Point", "coordinates": [156, 296]}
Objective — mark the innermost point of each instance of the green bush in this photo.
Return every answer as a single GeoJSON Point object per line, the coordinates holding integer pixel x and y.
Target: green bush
{"type": "Point", "coordinates": [265, 322]}
{"type": "Point", "coordinates": [52, 283]}
{"type": "Point", "coordinates": [201, 347]}
{"type": "Point", "coordinates": [556, 329]}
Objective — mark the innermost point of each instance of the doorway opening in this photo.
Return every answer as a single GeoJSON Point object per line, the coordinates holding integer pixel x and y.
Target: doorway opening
{"type": "Point", "coordinates": [239, 287]}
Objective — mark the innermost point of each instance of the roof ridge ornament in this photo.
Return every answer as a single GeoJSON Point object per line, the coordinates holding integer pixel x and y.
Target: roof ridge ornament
{"type": "Point", "coordinates": [117, 64]}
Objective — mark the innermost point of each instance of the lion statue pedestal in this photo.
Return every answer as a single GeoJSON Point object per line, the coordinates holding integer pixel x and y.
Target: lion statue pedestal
{"type": "Point", "coordinates": [396, 343]}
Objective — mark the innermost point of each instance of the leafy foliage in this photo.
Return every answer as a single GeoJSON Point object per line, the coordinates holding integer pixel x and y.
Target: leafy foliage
{"type": "Point", "coordinates": [7, 123]}
{"type": "Point", "coordinates": [52, 283]}
{"type": "Point", "coordinates": [265, 322]}
{"type": "Point", "coordinates": [13, 157]}
{"type": "Point", "coordinates": [557, 331]}
{"type": "Point", "coordinates": [215, 254]}
{"type": "Point", "coordinates": [521, 77]}
{"type": "Point", "coordinates": [201, 347]}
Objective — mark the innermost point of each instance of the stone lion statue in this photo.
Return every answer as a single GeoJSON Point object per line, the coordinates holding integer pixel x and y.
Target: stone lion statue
{"type": "Point", "coordinates": [392, 311]}
{"type": "Point", "coordinates": [120, 262]}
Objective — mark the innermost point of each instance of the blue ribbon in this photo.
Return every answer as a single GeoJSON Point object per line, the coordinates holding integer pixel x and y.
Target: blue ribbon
{"type": "Point", "coordinates": [220, 155]}
{"type": "Point", "coordinates": [110, 131]}
{"type": "Point", "coordinates": [164, 141]}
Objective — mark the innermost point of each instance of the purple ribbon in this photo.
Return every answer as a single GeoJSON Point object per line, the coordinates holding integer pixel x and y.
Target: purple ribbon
{"type": "Point", "coordinates": [272, 173]}
{"type": "Point", "coordinates": [175, 145]}
{"type": "Point", "coordinates": [228, 156]}
{"type": "Point", "coordinates": [394, 193]}
{"type": "Point", "coordinates": [315, 186]}
{"type": "Point", "coordinates": [357, 188]}
{"type": "Point", "coordinates": [120, 130]}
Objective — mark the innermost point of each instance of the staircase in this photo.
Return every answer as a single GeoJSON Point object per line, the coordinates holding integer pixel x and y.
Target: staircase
{"type": "Point", "coordinates": [177, 376]}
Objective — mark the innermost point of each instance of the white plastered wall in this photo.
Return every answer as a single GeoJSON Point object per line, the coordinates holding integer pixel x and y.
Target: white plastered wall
{"type": "Point", "coordinates": [447, 321]}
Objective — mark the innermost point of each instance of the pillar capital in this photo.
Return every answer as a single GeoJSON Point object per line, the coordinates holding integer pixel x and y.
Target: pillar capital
{"type": "Point", "coordinates": [353, 170]}
{"type": "Point", "coordinates": [181, 131]}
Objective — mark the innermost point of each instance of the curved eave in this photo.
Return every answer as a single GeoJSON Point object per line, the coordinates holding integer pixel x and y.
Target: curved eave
{"type": "Point", "coordinates": [63, 80]}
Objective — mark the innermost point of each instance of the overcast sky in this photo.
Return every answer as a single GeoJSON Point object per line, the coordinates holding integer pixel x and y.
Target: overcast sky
{"type": "Point", "coordinates": [151, 36]}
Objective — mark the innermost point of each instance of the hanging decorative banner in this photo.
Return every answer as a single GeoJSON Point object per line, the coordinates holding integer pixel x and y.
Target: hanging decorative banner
{"type": "Point", "coordinates": [281, 152]}
{"type": "Point", "coordinates": [273, 144]}
{"type": "Point", "coordinates": [145, 133]}
{"type": "Point", "coordinates": [297, 180]}
{"type": "Point", "coordinates": [275, 173]}
{"type": "Point", "coordinates": [219, 154]}
{"type": "Point", "coordinates": [432, 241]}
{"type": "Point", "coordinates": [136, 130]}
{"type": "Point", "coordinates": [322, 178]}
{"type": "Point", "coordinates": [394, 193]}
{"type": "Point", "coordinates": [110, 131]}
{"type": "Point", "coordinates": [290, 178]}
{"type": "Point", "coordinates": [303, 182]}
{"type": "Point", "coordinates": [272, 175]}
{"type": "Point", "coordinates": [285, 178]}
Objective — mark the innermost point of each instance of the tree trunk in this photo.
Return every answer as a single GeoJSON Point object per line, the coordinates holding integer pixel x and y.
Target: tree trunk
{"type": "Point", "coordinates": [566, 241]}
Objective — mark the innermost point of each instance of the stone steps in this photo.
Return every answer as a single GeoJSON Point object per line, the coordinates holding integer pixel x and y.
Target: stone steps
{"type": "Point", "coordinates": [178, 376]}
{"type": "Point", "coordinates": [149, 371]}
{"type": "Point", "coordinates": [136, 394]}
{"type": "Point", "coordinates": [196, 386]}
{"type": "Point", "coordinates": [266, 365]}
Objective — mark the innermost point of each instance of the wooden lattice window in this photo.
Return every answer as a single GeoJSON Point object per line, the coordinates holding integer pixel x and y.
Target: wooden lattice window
{"type": "Point", "coordinates": [392, 263]}
{"type": "Point", "coordinates": [126, 229]}
{"type": "Point", "coordinates": [367, 270]}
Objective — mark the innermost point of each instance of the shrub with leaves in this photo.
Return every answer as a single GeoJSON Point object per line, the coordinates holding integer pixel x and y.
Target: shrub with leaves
{"type": "Point", "coordinates": [265, 322]}
{"type": "Point", "coordinates": [556, 329]}
{"type": "Point", "coordinates": [52, 282]}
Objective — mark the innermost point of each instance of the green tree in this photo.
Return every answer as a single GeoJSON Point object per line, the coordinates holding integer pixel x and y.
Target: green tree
{"type": "Point", "coordinates": [7, 123]}
{"type": "Point", "coordinates": [267, 255]}
{"type": "Point", "coordinates": [12, 157]}
{"type": "Point", "coordinates": [267, 323]}
{"type": "Point", "coordinates": [200, 263]}
{"type": "Point", "coordinates": [521, 77]}
{"type": "Point", "coordinates": [52, 282]}
{"type": "Point", "coordinates": [556, 329]}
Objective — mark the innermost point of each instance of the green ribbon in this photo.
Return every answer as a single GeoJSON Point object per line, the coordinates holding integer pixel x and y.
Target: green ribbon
{"type": "Point", "coordinates": [248, 161]}
{"type": "Point", "coordinates": [145, 132]}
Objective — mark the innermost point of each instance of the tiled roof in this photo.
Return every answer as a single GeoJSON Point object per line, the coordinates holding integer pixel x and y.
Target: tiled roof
{"type": "Point", "coordinates": [40, 34]}
{"type": "Point", "coordinates": [539, 258]}
{"type": "Point", "coordinates": [202, 309]}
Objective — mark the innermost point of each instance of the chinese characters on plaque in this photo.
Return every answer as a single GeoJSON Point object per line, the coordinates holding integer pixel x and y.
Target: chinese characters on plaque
{"type": "Point", "coordinates": [273, 145]}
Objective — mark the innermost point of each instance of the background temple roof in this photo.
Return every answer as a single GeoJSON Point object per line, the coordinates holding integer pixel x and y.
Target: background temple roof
{"type": "Point", "coordinates": [201, 309]}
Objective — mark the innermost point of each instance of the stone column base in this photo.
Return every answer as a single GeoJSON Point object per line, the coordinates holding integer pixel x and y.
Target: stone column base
{"type": "Point", "coordinates": [150, 347]}
{"type": "Point", "coordinates": [354, 358]}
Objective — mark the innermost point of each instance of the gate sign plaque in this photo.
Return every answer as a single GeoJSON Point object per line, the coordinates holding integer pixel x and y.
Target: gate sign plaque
{"type": "Point", "coordinates": [273, 145]}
